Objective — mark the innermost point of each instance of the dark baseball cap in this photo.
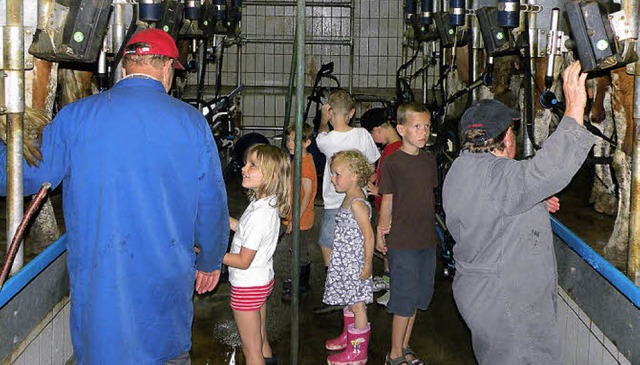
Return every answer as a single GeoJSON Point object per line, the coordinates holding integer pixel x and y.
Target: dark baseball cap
{"type": "Point", "coordinates": [372, 118]}
{"type": "Point", "coordinates": [154, 42]}
{"type": "Point", "coordinates": [490, 116]}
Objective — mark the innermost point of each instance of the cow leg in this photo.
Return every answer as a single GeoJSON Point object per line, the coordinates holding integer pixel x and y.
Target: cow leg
{"type": "Point", "coordinates": [622, 104]}
{"type": "Point", "coordinates": [40, 83]}
{"type": "Point", "coordinates": [603, 193]}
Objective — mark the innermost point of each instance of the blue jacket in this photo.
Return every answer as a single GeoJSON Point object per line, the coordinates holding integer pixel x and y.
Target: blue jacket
{"type": "Point", "coordinates": [142, 187]}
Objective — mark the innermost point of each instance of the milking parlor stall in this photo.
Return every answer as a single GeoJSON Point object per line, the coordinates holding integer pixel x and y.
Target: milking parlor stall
{"type": "Point", "coordinates": [255, 66]}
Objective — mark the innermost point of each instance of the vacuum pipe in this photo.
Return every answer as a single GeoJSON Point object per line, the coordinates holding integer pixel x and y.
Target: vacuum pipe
{"type": "Point", "coordinates": [119, 30]}
{"type": "Point", "coordinates": [631, 9]}
{"type": "Point", "coordinates": [15, 241]}
{"type": "Point", "coordinates": [13, 39]}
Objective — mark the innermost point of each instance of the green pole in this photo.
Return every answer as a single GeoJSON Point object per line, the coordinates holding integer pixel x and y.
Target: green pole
{"type": "Point", "coordinates": [288, 100]}
{"type": "Point", "coordinates": [295, 268]}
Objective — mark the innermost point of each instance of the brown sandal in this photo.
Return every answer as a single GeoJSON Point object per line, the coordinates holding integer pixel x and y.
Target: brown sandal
{"type": "Point", "coordinates": [395, 361]}
{"type": "Point", "coordinates": [407, 351]}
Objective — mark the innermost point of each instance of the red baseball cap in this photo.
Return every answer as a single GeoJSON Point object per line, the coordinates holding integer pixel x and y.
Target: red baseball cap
{"type": "Point", "coordinates": [156, 42]}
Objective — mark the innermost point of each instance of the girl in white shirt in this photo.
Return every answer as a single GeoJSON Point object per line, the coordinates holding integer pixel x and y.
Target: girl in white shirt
{"type": "Point", "coordinates": [266, 174]}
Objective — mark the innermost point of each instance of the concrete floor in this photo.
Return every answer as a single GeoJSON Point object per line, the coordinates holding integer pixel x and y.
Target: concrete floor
{"type": "Point", "coordinates": [440, 336]}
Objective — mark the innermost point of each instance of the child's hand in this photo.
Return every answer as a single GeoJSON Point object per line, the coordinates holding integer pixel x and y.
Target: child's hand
{"type": "Point", "coordinates": [381, 244]}
{"type": "Point", "coordinates": [289, 228]}
{"type": "Point", "coordinates": [325, 115]}
{"type": "Point", "coordinates": [553, 204]}
{"type": "Point", "coordinates": [372, 189]}
{"type": "Point", "coordinates": [233, 223]}
{"type": "Point", "coordinates": [366, 272]}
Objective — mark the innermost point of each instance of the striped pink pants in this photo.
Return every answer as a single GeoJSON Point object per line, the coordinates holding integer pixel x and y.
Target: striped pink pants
{"type": "Point", "coordinates": [249, 298]}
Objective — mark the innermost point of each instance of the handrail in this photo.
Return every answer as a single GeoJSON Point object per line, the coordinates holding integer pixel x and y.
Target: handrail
{"type": "Point", "coordinates": [22, 278]}
{"type": "Point", "coordinates": [617, 279]}
{"type": "Point", "coordinates": [598, 263]}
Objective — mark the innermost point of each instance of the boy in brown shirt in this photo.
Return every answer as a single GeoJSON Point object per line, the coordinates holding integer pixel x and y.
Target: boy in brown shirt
{"type": "Point", "coordinates": [406, 227]}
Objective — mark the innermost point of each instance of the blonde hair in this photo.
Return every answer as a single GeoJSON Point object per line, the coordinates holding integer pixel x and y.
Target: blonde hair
{"type": "Point", "coordinates": [276, 171]}
{"type": "Point", "coordinates": [407, 108]}
{"type": "Point", "coordinates": [341, 101]}
{"type": "Point", "coordinates": [356, 163]}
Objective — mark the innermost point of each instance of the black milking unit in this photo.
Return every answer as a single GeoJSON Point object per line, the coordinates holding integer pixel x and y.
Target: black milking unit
{"type": "Point", "coordinates": [600, 34]}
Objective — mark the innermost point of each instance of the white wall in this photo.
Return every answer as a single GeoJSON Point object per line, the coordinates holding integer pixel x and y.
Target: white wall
{"type": "Point", "coordinates": [583, 342]}
{"type": "Point", "coordinates": [49, 342]}
{"type": "Point", "coordinates": [373, 27]}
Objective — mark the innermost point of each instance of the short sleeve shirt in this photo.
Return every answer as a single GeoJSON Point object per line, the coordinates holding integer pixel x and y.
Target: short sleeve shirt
{"type": "Point", "coordinates": [308, 172]}
{"type": "Point", "coordinates": [411, 180]}
{"type": "Point", "coordinates": [388, 149]}
{"type": "Point", "coordinates": [257, 230]}
{"type": "Point", "coordinates": [330, 143]}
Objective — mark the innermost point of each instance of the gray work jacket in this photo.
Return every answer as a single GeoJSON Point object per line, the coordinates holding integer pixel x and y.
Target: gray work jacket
{"type": "Point", "coordinates": [505, 286]}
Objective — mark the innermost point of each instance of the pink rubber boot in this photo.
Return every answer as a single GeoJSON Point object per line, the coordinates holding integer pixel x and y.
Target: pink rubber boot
{"type": "Point", "coordinates": [340, 342]}
{"type": "Point", "coordinates": [357, 346]}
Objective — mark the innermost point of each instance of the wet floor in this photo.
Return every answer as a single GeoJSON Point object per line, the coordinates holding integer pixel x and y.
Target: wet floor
{"type": "Point", "coordinates": [439, 337]}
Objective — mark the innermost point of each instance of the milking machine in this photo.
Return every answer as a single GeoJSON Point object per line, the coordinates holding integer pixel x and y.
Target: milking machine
{"type": "Point", "coordinates": [601, 36]}
{"type": "Point", "coordinates": [428, 26]}
{"type": "Point", "coordinates": [96, 32]}
{"type": "Point", "coordinates": [318, 96]}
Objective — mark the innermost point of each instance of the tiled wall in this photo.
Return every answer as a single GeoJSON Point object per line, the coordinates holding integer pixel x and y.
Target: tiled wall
{"type": "Point", "coordinates": [48, 343]}
{"type": "Point", "coordinates": [363, 38]}
{"type": "Point", "coordinates": [583, 342]}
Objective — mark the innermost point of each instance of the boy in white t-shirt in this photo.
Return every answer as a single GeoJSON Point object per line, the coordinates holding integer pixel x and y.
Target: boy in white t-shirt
{"type": "Point", "coordinates": [338, 111]}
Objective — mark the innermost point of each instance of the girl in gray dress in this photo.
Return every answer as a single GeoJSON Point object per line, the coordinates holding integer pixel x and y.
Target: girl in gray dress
{"type": "Point", "coordinates": [349, 280]}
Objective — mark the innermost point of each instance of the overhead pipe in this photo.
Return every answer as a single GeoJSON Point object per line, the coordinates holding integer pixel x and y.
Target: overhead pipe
{"type": "Point", "coordinates": [13, 60]}
{"type": "Point", "coordinates": [119, 28]}
{"type": "Point", "coordinates": [444, 7]}
{"type": "Point", "coordinates": [297, 163]}
{"type": "Point", "coordinates": [426, 19]}
{"type": "Point", "coordinates": [477, 47]}
{"type": "Point", "coordinates": [352, 41]}
{"type": "Point", "coordinates": [425, 63]}
{"type": "Point", "coordinates": [631, 8]}
{"type": "Point", "coordinates": [548, 98]}
{"type": "Point", "coordinates": [239, 59]}
{"type": "Point", "coordinates": [528, 134]}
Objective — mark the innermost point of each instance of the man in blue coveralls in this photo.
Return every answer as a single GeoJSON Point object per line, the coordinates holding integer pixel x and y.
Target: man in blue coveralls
{"type": "Point", "coordinates": [142, 187]}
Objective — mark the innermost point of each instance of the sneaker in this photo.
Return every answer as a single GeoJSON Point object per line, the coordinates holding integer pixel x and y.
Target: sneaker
{"type": "Point", "coordinates": [380, 284]}
{"type": "Point", "coordinates": [384, 298]}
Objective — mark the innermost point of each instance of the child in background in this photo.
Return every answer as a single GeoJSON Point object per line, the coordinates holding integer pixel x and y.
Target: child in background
{"type": "Point", "coordinates": [266, 175]}
{"type": "Point", "coordinates": [407, 214]}
{"type": "Point", "coordinates": [377, 122]}
{"type": "Point", "coordinates": [338, 111]}
{"type": "Point", "coordinates": [308, 190]}
{"type": "Point", "coordinates": [349, 281]}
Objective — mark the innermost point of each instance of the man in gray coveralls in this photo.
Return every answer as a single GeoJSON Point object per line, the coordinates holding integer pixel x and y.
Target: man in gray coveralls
{"type": "Point", "coordinates": [506, 281]}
